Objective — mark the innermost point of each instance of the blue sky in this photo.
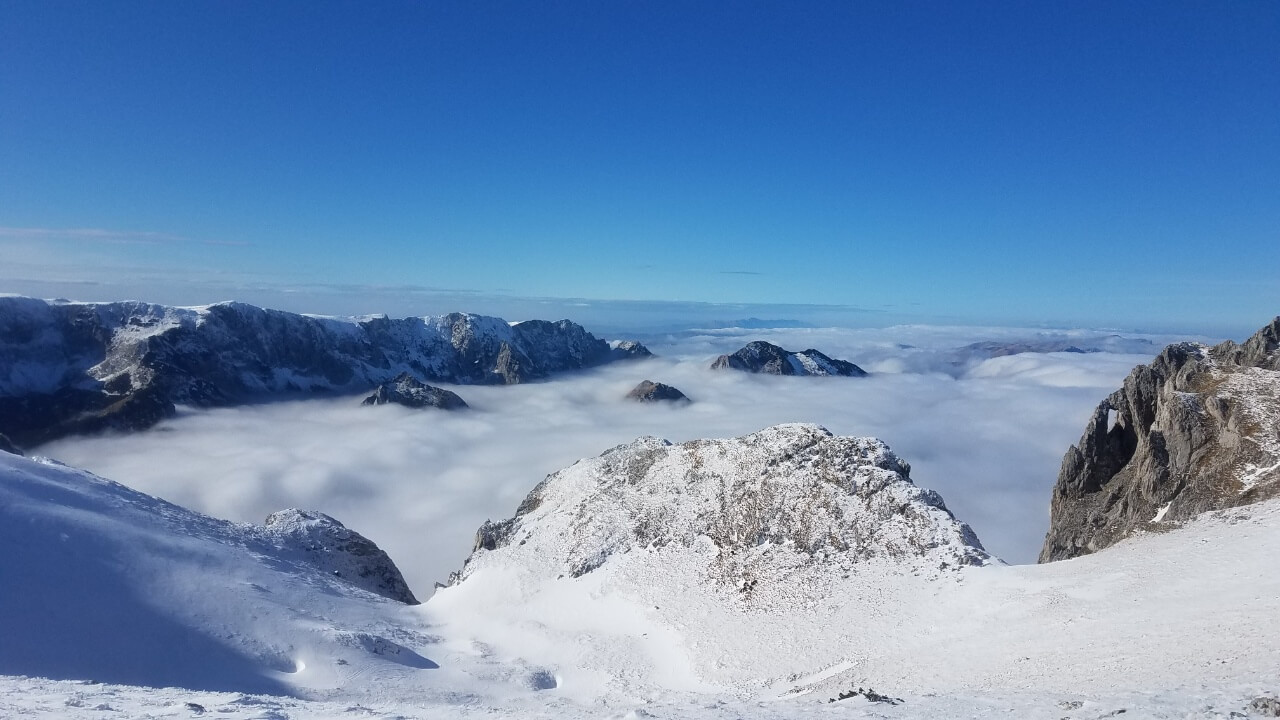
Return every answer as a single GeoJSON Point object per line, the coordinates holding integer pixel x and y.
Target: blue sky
{"type": "Point", "coordinates": [1109, 163]}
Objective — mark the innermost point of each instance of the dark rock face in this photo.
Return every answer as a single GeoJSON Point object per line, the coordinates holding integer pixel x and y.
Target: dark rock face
{"type": "Point", "coordinates": [335, 550]}
{"type": "Point", "coordinates": [73, 368]}
{"type": "Point", "coordinates": [649, 391]}
{"type": "Point", "coordinates": [6, 445]}
{"type": "Point", "coordinates": [1198, 429]}
{"type": "Point", "coordinates": [409, 391]}
{"type": "Point", "coordinates": [767, 358]}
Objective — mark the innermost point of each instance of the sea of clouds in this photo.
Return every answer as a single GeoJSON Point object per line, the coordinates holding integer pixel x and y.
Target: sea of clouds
{"type": "Point", "coordinates": [988, 433]}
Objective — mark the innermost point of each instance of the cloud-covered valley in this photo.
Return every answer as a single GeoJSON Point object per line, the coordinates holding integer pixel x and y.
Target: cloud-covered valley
{"type": "Point", "coordinates": [988, 433]}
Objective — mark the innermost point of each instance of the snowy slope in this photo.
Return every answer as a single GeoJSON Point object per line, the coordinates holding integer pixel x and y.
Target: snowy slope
{"type": "Point", "coordinates": [102, 582]}
{"type": "Point", "coordinates": [106, 584]}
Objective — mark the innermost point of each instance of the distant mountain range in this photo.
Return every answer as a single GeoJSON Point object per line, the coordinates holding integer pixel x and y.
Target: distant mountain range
{"type": "Point", "coordinates": [75, 367]}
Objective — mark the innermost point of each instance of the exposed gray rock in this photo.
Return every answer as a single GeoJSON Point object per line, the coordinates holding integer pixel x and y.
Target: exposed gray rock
{"type": "Point", "coordinates": [762, 357]}
{"type": "Point", "coordinates": [409, 391]}
{"type": "Point", "coordinates": [7, 445]}
{"type": "Point", "coordinates": [1264, 706]}
{"type": "Point", "coordinates": [1198, 429]}
{"type": "Point", "coordinates": [649, 391]}
{"type": "Point", "coordinates": [335, 550]}
{"type": "Point", "coordinates": [73, 367]}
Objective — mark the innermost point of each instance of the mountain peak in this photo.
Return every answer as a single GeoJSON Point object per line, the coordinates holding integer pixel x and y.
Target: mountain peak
{"type": "Point", "coordinates": [751, 511]}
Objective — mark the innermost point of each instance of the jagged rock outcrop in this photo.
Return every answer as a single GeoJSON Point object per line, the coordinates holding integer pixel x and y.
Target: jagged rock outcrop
{"type": "Point", "coordinates": [789, 501]}
{"type": "Point", "coordinates": [762, 357]}
{"type": "Point", "coordinates": [1198, 429]}
{"type": "Point", "coordinates": [650, 391]}
{"type": "Point", "coordinates": [628, 350]}
{"type": "Point", "coordinates": [407, 390]}
{"type": "Point", "coordinates": [330, 547]}
{"type": "Point", "coordinates": [6, 445]}
{"type": "Point", "coordinates": [74, 367]}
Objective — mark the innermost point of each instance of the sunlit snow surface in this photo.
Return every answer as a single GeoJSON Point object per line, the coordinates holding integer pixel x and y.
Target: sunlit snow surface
{"type": "Point", "coordinates": [108, 585]}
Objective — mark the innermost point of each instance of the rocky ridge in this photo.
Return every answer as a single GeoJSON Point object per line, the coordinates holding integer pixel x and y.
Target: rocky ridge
{"type": "Point", "coordinates": [763, 357]}
{"type": "Point", "coordinates": [1197, 429]}
{"type": "Point", "coordinates": [84, 367]}
{"type": "Point", "coordinates": [788, 503]}
{"type": "Point", "coordinates": [406, 390]}
{"type": "Point", "coordinates": [331, 548]}
{"type": "Point", "coordinates": [650, 391]}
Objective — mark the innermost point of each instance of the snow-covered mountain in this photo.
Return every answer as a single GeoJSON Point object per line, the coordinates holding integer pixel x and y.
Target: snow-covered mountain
{"type": "Point", "coordinates": [763, 357]}
{"type": "Point", "coordinates": [752, 515]}
{"type": "Point", "coordinates": [75, 367]}
{"type": "Point", "coordinates": [1197, 429]}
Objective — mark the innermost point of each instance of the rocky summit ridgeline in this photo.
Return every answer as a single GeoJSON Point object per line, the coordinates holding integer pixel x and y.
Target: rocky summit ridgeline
{"type": "Point", "coordinates": [769, 359]}
{"type": "Point", "coordinates": [1197, 429]}
{"type": "Point", "coordinates": [740, 513]}
{"type": "Point", "coordinates": [83, 367]}
{"type": "Point", "coordinates": [408, 391]}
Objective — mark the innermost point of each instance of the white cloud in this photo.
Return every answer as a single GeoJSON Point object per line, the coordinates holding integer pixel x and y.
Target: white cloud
{"type": "Point", "coordinates": [420, 482]}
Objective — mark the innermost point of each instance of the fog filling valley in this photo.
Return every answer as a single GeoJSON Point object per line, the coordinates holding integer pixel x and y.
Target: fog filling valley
{"type": "Point", "coordinates": [988, 434]}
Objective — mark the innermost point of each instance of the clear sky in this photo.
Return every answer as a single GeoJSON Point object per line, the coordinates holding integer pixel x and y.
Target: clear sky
{"type": "Point", "coordinates": [1105, 163]}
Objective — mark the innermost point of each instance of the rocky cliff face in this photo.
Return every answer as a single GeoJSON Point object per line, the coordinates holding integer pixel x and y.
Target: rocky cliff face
{"type": "Point", "coordinates": [747, 512]}
{"type": "Point", "coordinates": [767, 358]}
{"type": "Point", "coordinates": [327, 545]}
{"type": "Point", "coordinates": [1198, 429]}
{"type": "Point", "coordinates": [70, 367]}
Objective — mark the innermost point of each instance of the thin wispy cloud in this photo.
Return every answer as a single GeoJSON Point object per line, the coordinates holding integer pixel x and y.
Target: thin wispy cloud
{"type": "Point", "coordinates": [114, 237]}
{"type": "Point", "coordinates": [740, 272]}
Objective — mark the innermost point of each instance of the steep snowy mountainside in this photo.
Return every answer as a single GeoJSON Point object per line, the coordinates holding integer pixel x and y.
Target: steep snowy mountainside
{"type": "Point", "coordinates": [105, 583]}
{"type": "Point", "coordinates": [70, 367]}
{"type": "Point", "coordinates": [1197, 429]}
{"type": "Point", "coordinates": [762, 357]}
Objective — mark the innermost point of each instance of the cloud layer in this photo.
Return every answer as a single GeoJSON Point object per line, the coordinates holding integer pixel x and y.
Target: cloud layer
{"type": "Point", "coordinates": [988, 434]}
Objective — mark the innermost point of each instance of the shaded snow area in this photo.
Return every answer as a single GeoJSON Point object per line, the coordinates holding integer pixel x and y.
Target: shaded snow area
{"type": "Point", "coordinates": [107, 585]}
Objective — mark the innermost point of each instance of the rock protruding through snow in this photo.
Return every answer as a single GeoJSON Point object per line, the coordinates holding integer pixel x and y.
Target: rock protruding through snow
{"type": "Point", "coordinates": [1197, 429]}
